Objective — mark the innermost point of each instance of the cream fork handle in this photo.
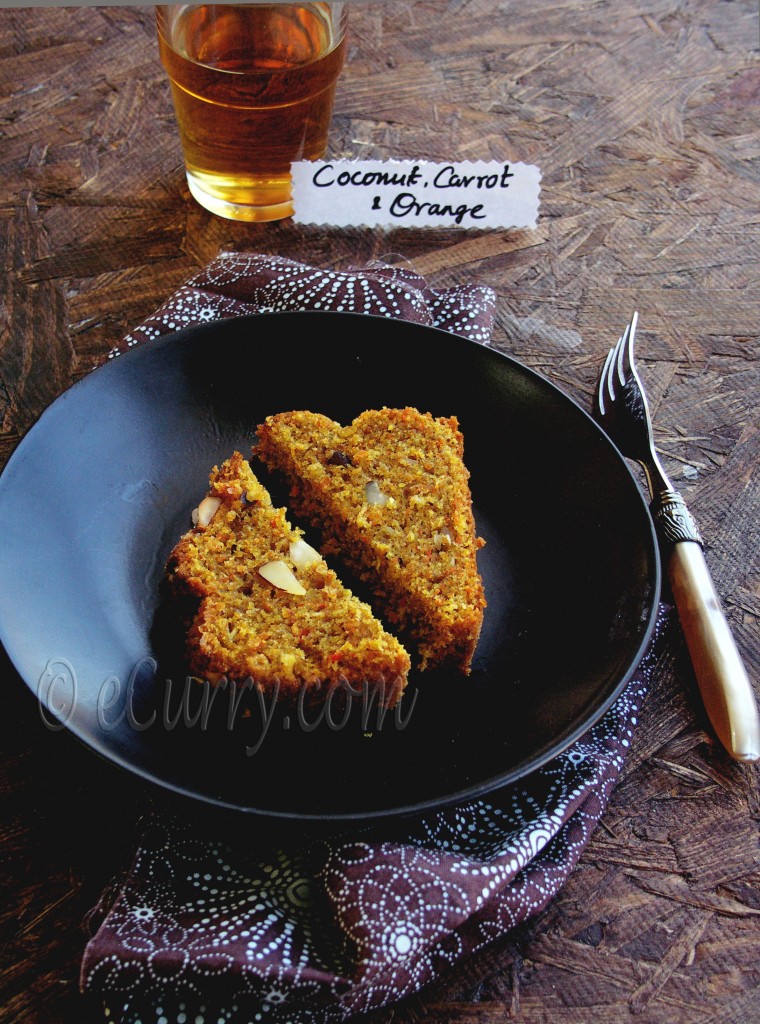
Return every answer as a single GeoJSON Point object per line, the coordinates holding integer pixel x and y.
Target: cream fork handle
{"type": "Point", "coordinates": [723, 681]}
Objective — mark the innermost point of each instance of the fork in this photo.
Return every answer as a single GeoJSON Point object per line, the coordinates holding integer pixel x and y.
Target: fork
{"type": "Point", "coordinates": [622, 410]}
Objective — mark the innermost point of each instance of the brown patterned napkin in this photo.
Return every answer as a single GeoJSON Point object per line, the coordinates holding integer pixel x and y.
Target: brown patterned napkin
{"type": "Point", "coordinates": [235, 284]}
{"type": "Point", "coordinates": [204, 930]}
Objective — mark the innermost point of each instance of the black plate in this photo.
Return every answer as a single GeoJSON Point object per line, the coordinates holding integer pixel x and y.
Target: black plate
{"type": "Point", "coordinates": [99, 490]}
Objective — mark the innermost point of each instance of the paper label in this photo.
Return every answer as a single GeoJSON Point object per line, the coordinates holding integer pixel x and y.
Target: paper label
{"type": "Point", "coordinates": [415, 193]}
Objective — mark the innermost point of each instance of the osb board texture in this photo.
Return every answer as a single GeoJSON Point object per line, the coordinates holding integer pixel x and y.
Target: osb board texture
{"type": "Point", "coordinates": [643, 118]}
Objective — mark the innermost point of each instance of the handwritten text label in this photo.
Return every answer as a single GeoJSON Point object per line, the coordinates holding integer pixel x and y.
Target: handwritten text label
{"type": "Point", "coordinates": [415, 193]}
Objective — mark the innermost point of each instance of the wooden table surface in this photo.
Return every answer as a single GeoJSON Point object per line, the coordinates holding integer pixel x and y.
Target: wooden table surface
{"type": "Point", "coordinates": [642, 115]}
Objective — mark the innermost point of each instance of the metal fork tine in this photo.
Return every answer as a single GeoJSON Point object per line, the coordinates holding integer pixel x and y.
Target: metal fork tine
{"type": "Point", "coordinates": [604, 382]}
{"type": "Point", "coordinates": [620, 349]}
{"type": "Point", "coordinates": [627, 365]}
{"type": "Point", "coordinates": [618, 364]}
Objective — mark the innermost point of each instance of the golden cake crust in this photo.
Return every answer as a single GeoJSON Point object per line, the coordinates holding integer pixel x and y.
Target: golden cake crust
{"type": "Point", "coordinates": [390, 494]}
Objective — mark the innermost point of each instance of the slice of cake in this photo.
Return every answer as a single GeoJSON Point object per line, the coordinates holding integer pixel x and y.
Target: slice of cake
{"type": "Point", "coordinates": [265, 606]}
{"type": "Point", "coordinates": [390, 494]}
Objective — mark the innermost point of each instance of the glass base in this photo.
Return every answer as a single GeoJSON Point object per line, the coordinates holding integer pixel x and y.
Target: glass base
{"type": "Point", "coordinates": [238, 211]}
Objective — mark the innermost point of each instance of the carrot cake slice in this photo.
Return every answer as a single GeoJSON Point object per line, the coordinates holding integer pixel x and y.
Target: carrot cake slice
{"type": "Point", "coordinates": [390, 494]}
{"type": "Point", "coordinates": [265, 606]}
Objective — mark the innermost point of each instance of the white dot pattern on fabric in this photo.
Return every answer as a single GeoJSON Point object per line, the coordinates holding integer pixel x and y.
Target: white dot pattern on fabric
{"type": "Point", "coordinates": [237, 284]}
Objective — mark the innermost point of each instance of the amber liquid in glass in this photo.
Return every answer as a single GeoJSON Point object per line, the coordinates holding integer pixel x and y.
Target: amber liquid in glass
{"type": "Point", "coordinates": [253, 88]}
